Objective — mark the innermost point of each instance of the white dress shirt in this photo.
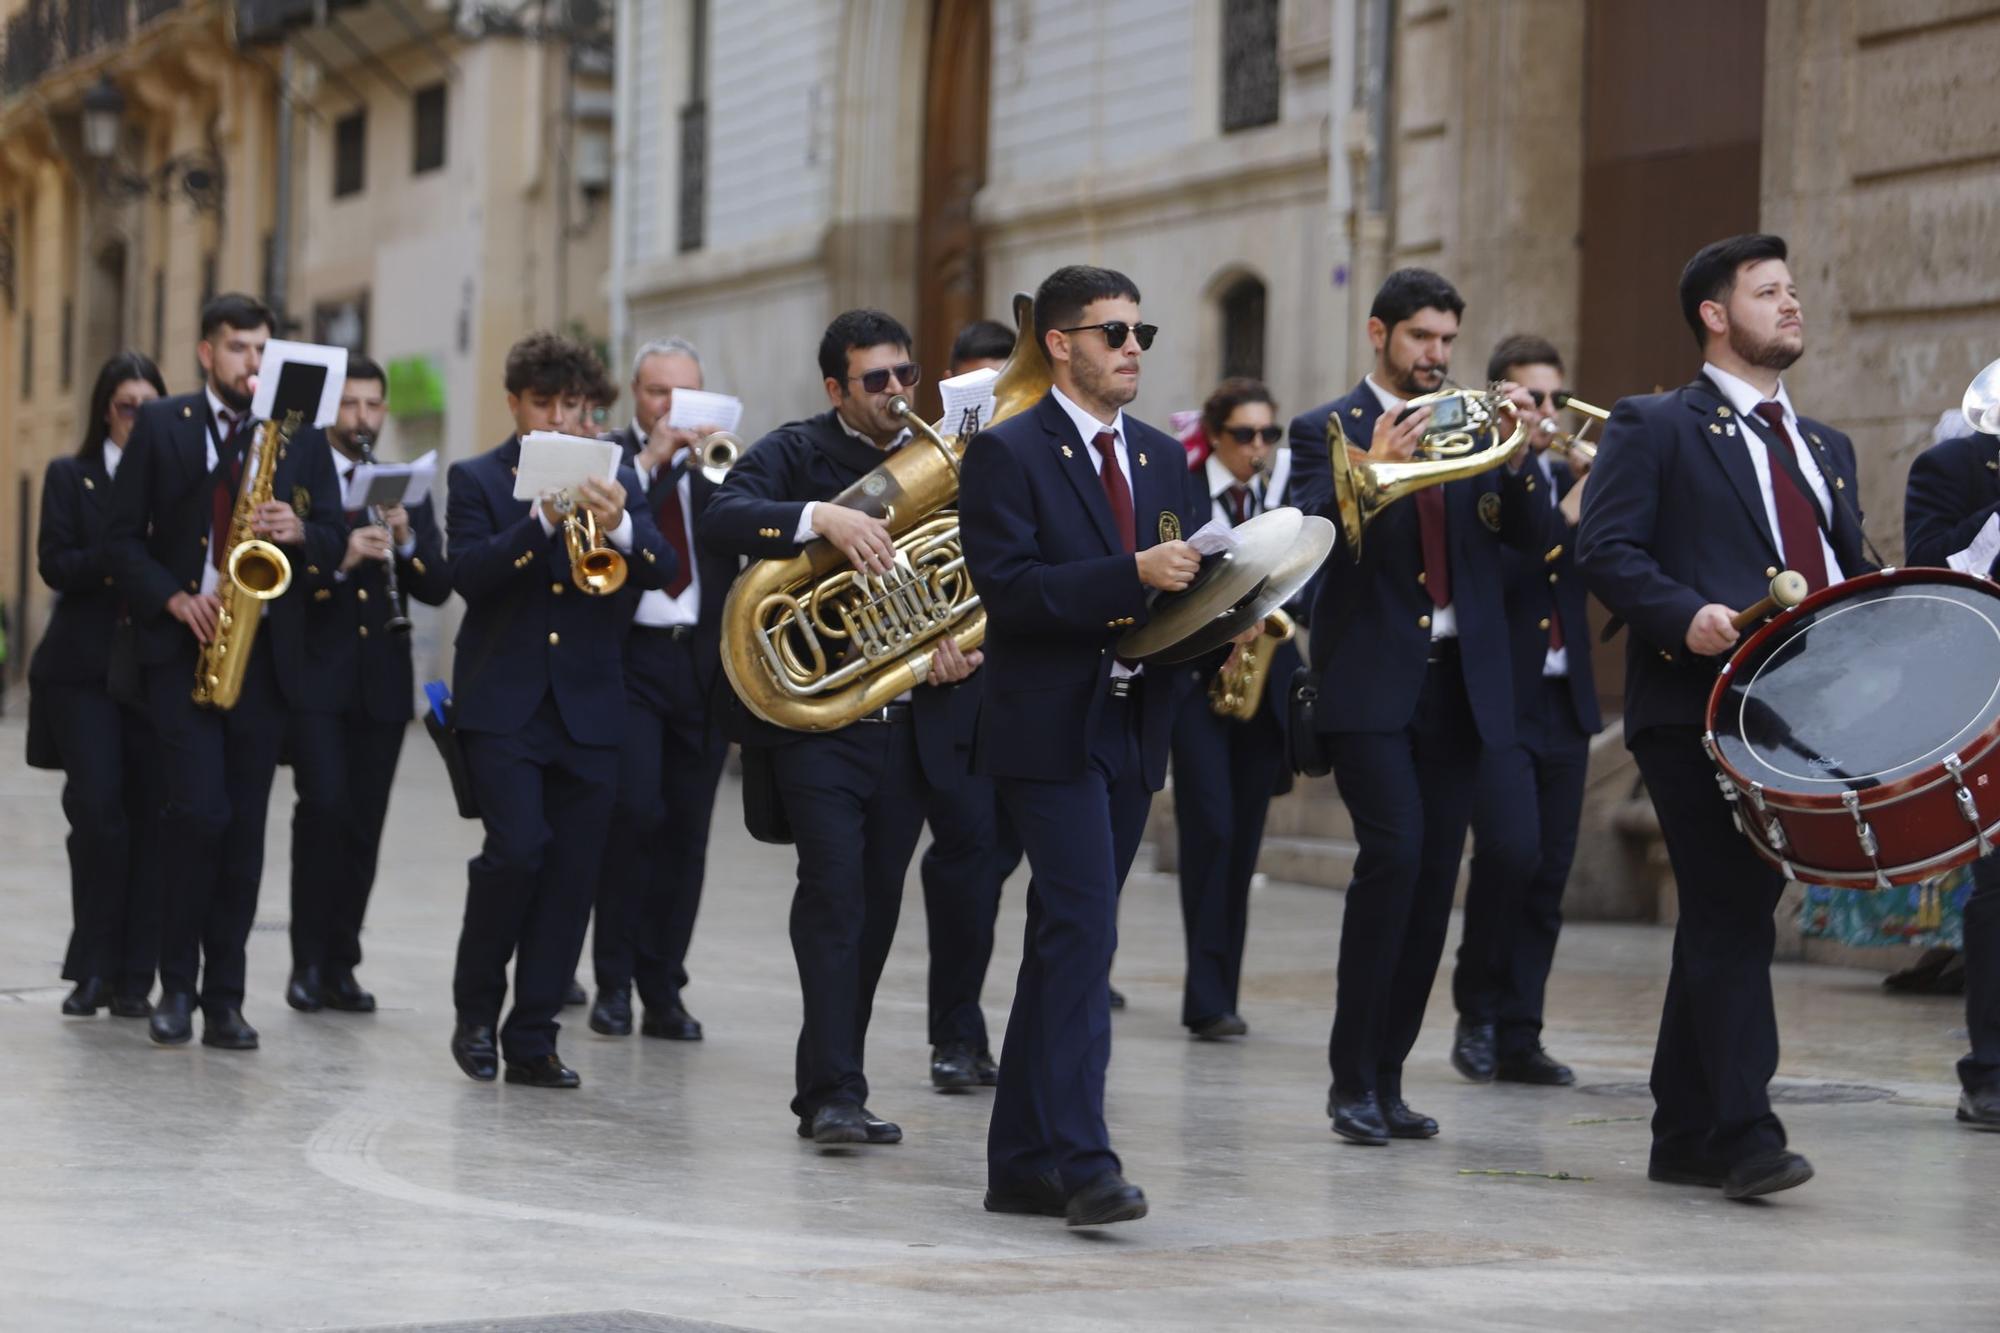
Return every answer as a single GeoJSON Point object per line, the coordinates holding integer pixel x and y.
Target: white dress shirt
{"type": "Point", "coordinates": [1089, 427]}
{"type": "Point", "coordinates": [1220, 482]}
{"type": "Point", "coordinates": [805, 532]}
{"type": "Point", "coordinates": [1444, 619]}
{"type": "Point", "coordinates": [1743, 398]}
{"type": "Point", "coordinates": [656, 608]}
{"type": "Point", "coordinates": [112, 453]}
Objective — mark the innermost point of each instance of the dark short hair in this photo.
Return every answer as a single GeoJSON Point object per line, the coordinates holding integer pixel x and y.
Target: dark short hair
{"type": "Point", "coordinates": [552, 364]}
{"type": "Point", "coordinates": [360, 367]}
{"type": "Point", "coordinates": [1408, 290]}
{"type": "Point", "coordinates": [1711, 274]}
{"type": "Point", "coordinates": [1521, 349]}
{"type": "Point", "coordinates": [120, 369]}
{"type": "Point", "coordinates": [982, 340]}
{"type": "Point", "coordinates": [236, 310]}
{"type": "Point", "coordinates": [1066, 293]}
{"type": "Point", "coordinates": [857, 328]}
{"type": "Point", "coordinates": [1231, 394]}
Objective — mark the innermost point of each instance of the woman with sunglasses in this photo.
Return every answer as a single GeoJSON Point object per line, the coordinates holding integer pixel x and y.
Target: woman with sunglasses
{"type": "Point", "coordinates": [103, 746]}
{"type": "Point", "coordinates": [1226, 771]}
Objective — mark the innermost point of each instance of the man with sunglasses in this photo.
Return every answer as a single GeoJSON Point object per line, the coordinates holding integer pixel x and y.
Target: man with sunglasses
{"type": "Point", "coordinates": [1071, 510]}
{"type": "Point", "coordinates": [1530, 796]}
{"type": "Point", "coordinates": [852, 799]}
{"type": "Point", "coordinates": [1399, 720]}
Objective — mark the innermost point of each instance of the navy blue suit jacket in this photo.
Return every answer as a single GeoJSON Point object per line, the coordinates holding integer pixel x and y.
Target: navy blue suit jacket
{"type": "Point", "coordinates": [528, 631]}
{"type": "Point", "coordinates": [1538, 586]}
{"type": "Point", "coordinates": [1954, 488]}
{"type": "Point", "coordinates": [1059, 589]}
{"type": "Point", "coordinates": [1371, 617]}
{"type": "Point", "coordinates": [70, 552]}
{"type": "Point", "coordinates": [715, 569]}
{"type": "Point", "coordinates": [162, 510]}
{"type": "Point", "coordinates": [1673, 520]}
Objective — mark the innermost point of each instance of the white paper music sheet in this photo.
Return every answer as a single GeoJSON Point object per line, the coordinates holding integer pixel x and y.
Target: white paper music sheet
{"type": "Point", "coordinates": [1214, 537]}
{"type": "Point", "coordinates": [405, 484]}
{"type": "Point", "coordinates": [1978, 557]}
{"type": "Point", "coordinates": [968, 401]}
{"type": "Point", "coordinates": [551, 463]}
{"type": "Point", "coordinates": [697, 409]}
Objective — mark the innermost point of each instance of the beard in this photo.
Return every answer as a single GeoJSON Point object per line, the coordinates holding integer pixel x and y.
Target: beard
{"type": "Point", "coordinates": [1108, 387]}
{"type": "Point", "coordinates": [1766, 354]}
{"type": "Point", "coordinates": [1404, 380]}
{"type": "Point", "coordinates": [234, 398]}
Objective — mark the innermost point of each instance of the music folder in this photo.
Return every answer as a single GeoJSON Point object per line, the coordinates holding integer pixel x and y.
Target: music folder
{"type": "Point", "coordinates": [300, 377]}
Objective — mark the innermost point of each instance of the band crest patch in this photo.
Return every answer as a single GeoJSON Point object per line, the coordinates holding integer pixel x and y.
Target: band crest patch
{"type": "Point", "coordinates": [1489, 510]}
{"type": "Point", "coordinates": [1170, 527]}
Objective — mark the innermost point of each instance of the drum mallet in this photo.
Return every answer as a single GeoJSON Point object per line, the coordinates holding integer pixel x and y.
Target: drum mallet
{"type": "Point", "coordinates": [1788, 589]}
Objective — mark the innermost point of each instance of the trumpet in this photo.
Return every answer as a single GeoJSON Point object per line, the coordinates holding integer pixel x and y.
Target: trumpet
{"type": "Point", "coordinates": [716, 453]}
{"type": "Point", "coordinates": [594, 567]}
{"type": "Point", "coordinates": [1576, 443]}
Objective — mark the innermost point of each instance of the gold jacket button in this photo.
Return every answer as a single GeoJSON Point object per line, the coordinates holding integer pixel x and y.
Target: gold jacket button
{"type": "Point", "coordinates": [1771, 572]}
{"type": "Point", "coordinates": [312, 569]}
{"type": "Point", "coordinates": [417, 564]}
{"type": "Point", "coordinates": [363, 629]}
{"type": "Point", "coordinates": [649, 557]}
{"type": "Point", "coordinates": [107, 580]}
{"type": "Point", "coordinates": [1420, 576]}
{"type": "Point", "coordinates": [1423, 622]}
{"type": "Point", "coordinates": [1552, 576]}
{"type": "Point", "coordinates": [1543, 623]}
{"type": "Point", "coordinates": [554, 638]}
{"type": "Point", "coordinates": [1666, 656]}
{"type": "Point", "coordinates": [555, 589]}
{"type": "Point", "coordinates": [361, 594]}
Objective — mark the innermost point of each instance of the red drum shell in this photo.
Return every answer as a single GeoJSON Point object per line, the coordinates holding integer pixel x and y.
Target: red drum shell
{"type": "Point", "coordinates": [1781, 701]}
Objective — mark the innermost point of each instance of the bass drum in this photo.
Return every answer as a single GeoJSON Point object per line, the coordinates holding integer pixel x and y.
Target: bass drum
{"type": "Point", "coordinates": [1858, 734]}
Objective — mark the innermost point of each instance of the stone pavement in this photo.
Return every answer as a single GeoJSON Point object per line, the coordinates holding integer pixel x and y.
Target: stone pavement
{"type": "Point", "coordinates": [348, 1176]}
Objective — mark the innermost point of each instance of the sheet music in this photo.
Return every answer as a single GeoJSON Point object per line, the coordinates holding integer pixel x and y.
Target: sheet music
{"type": "Point", "coordinates": [317, 374]}
{"type": "Point", "coordinates": [968, 401]}
{"type": "Point", "coordinates": [405, 484]}
{"type": "Point", "coordinates": [551, 463]}
{"type": "Point", "coordinates": [1978, 557]}
{"type": "Point", "coordinates": [697, 409]}
{"type": "Point", "coordinates": [1214, 537]}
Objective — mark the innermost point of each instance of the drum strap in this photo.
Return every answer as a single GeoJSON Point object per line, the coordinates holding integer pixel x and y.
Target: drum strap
{"type": "Point", "coordinates": [1787, 459]}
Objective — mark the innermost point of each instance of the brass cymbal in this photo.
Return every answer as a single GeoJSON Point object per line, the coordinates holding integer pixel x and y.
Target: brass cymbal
{"type": "Point", "coordinates": [1276, 553]}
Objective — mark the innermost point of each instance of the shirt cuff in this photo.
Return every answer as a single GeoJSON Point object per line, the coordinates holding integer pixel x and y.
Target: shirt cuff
{"type": "Point", "coordinates": [805, 531]}
{"type": "Point", "coordinates": [407, 549]}
{"type": "Point", "coordinates": [621, 536]}
{"type": "Point", "coordinates": [542, 517]}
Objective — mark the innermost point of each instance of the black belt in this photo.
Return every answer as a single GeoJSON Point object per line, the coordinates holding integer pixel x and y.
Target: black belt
{"type": "Point", "coordinates": [1123, 687]}
{"type": "Point", "coordinates": [673, 632]}
{"type": "Point", "coordinates": [1443, 650]}
{"type": "Point", "coordinates": [887, 713]}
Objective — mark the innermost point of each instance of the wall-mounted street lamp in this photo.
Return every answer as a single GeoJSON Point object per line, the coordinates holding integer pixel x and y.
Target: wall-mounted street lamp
{"type": "Point", "coordinates": [198, 175]}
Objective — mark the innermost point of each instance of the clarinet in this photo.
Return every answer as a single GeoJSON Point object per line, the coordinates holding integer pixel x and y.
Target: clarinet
{"type": "Point", "coordinates": [399, 609]}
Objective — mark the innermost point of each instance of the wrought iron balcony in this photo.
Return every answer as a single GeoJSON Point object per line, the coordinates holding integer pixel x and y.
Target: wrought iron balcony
{"type": "Point", "coordinates": [48, 34]}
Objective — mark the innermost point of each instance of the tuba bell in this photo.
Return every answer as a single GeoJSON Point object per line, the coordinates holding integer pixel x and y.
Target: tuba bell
{"type": "Point", "coordinates": [809, 643]}
{"type": "Point", "coordinates": [1452, 449]}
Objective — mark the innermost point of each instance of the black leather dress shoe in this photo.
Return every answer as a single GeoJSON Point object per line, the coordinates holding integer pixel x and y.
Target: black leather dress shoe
{"type": "Point", "coordinates": [225, 1030]}
{"type": "Point", "coordinates": [575, 995]}
{"type": "Point", "coordinates": [1766, 1173]}
{"type": "Point", "coordinates": [1703, 1175]}
{"type": "Point", "coordinates": [1359, 1120]}
{"type": "Point", "coordinates": [1404, 1123]}
{"type": "Point", "coordinates": [173, 1019]}
{"type": "Point", "coordinates": [1537, 1067]}
{"type": "Point", "coordinates": [302, 991]}
{"type": "Point", "coordinates": [1220, 1027]}
{"type": "Point", "coordinates": [1109, 1198]}
{"type": "Point", "coordinates": [1472, 1052]}
{"type": "Point", "coordinates": [844, 1122]}
{"type": "Point", "coordinates": [87, 998]}
{"type": "Point", "coordinates": [987, 1068]}
{"type": "Point", "coordinates": [131, 1006]}
{"type": "Point", "coordinates": [543, 1071]}
{"type": "Point", "coordinates": [671, 1023]}
{"type": "Point", "coordinates": [472, 1046]}
{"type": "Point", "coordinates": [1040, 1197]}
{"type": "Point", "coordinates": [1981, 1109]}
{"type": "Point", "coordinates": [341, 991]}
{"type": "Point", "coordinates": [1117, 998]}
{"type": "Point", "coordinates": [954, 1067]}
{"type": "Point", "coordinates": [611, 1015]}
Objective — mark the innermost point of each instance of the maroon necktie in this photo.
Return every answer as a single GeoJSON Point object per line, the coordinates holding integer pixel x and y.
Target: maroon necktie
{"type": "Point", "coordinates": [1430, 528]}
{"type": "Point", "coordinates": [673, 526]}
{"type": "Point", "coordinates": [1239, 505]}
{"type": "Point", "coordinates": [1115, 490]}
{"type": "Point", "coordinates": [1798, 522]}
{"type": "Point", "coordinates": [228, 480]}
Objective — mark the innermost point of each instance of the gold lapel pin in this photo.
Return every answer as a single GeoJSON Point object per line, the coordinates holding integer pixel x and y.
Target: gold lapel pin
{"type": "Point", "coordinates": [1354, 411]}
{"type": "Point", "coordinates": [1067, 453]}
{"type": "Point", "coordinates": [1142, 460]}
{"type": "Point", "coordinates": [1722, 411]}
{"type": "Point", "coordinates": [1714, 429]}
{"type": "Point", "coordinates": [186, 412]}
{"type": "Point", "coordinates": [89, 485]}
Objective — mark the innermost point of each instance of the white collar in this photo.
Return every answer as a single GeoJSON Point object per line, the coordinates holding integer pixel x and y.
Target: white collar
{"type": "Point", "coordinates": [1743, 395]}
{"type": "Point", "coordinates": [1087, 426]}
{"type": "Point", "coordinates": [1390, 402]}
{"type": "Point", "coordinates": [902, 436]}
{"type": "Point", "coordinates": [112, 453]}
{"type": "Point", "coordinates": [216, 407]}
{"type": "Point", "coordinates": [1221, 479]}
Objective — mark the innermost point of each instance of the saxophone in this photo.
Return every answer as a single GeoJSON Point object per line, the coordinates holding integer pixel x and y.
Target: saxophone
{"type": "Point", "coordinates": [1238, 688]}
{"type": "Point", "coordinates": [254, 571]}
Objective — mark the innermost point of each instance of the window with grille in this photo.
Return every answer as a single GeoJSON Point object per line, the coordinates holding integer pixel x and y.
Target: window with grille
{"type": "Point", "coordinates": [350, 154]}
{"type": "Point", "coordinates": [1243, 329]}
{"type": "Point", "coordinates": [694, 136]}
{"type": "Point", "coordinates": [1249, 63]}
{"type": "Point", "coordinates": [430, 136]}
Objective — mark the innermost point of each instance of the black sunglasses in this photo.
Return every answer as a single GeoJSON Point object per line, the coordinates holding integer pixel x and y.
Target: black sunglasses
{"type": "Point", "coordinates": [907, 374]}
{"type": "Point", "coordinates": [1114, 332]}
{"type": "Point", "coordinates": [1245, 434]}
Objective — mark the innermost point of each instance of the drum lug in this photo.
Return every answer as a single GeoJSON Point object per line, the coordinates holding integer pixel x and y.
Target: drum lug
{"type": "Point", "coordinates": [1774, 832]}
{"type": "Point", "coordinates": [1967, 807]}
{"type": "Point", "coordinates": [1865, 836]}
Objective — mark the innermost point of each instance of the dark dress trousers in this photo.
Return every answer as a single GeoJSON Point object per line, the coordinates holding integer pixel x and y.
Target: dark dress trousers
{"type": "Point", "coordinates": [1405, 719]}
{"type": "Point", "coordinates": [854, 797]}
{"type": "Point", "coordinates": [538, 690]}
{"type": "Point", "coordinates": [220, 763]}
{"type": "Point", "coordinates": [1954, 488]}
{"type": "Point", "coordinates": [1673, 520]}
{"type": "Point", "coordinates": [1075, 762]}
{"type": "Point", "coordinates": [345, 735]}
{"type": "Point", "coordinates": [668, 766]}
{"type": "Point", "coordinates": [1530, 796]}
{"type": "Point", "coordinates": [111, 793]}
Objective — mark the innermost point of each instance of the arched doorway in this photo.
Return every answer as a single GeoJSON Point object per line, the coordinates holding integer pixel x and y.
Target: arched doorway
{"type": "Point", "coordinates": [950, 266]}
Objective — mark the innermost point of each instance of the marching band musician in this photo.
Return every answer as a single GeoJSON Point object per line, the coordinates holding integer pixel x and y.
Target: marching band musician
{"type": "Point", "coordinates": [172, 505]}
{"type": "Point", "coordinates": [1410, 644]}
{"type": "Point", "coordinates": [1953, 492]}
{"type": "Point", "coordinates": [853, 797]}
{"type": "Point", "coordinates": [1071, 510]}
{"type": "Point", "coordinates": [671, 757]}
{"type": "Point", "coordinates": [1530, 793]}
{"type": "Point", "coordinates": [1226, 771]}
{"type": "Point", "coordinates": [538, 686]}
{"type": "Point", "coordinates": [1699, 496]}
{"type": "Point", "coordinates": [104, 744]}
{"type": "Point", "coordinates": [345, 736]}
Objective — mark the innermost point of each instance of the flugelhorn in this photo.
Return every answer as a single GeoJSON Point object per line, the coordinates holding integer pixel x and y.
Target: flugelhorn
{"type": "Point", "coordinates": [594, 567]}
{"type": "Point", "coordinates": [1576, 443]}
{"type": "Point", "coordinates": [1451, 449]}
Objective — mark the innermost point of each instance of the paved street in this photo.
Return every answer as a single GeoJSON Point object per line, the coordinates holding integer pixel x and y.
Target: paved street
{"type": "Point", "coordinates": [348, 1176]}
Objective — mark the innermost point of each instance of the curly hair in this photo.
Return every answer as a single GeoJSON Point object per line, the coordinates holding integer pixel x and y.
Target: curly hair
{"type": "Point", "coordinates": [549, 363]}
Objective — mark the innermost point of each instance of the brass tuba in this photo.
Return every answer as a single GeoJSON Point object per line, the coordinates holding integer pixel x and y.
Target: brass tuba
{"type": "Point", "coordinates": [1363, 487]}
{"type": "Point", "coordinates": [1237, 691]}
{"type": "Point", "coordinates": [811, 644]}
{"type": "Point", "coordinates": [254, 571]}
